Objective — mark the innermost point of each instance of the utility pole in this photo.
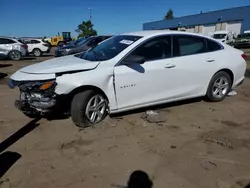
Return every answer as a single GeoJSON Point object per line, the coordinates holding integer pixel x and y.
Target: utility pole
{"type": "Point", "coordinates": [90, 16]}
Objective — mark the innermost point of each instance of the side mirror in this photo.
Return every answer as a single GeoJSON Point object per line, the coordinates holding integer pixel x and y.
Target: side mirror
{"type": "Point", "coordinates": [133, 59]}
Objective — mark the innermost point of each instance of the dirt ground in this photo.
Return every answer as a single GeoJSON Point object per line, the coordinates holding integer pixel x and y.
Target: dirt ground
{"type": "Point", "coordinates": [190, 144]}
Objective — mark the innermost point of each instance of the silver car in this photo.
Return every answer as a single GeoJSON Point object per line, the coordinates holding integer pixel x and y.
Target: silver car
{"type": "Point", "coordinates": [12, 48]}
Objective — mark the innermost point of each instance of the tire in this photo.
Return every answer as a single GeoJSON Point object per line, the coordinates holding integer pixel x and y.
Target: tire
{"type": "Point", "coordinates": [37, 52]}
{"type": "Point", "coordinates": [60, 44]}
{"type": "Point", "coordinates": [15, 55]}
{"type": "Point", "coordinates": [83, 108]}
{"type": "Point", "coordinates": [219, 87]}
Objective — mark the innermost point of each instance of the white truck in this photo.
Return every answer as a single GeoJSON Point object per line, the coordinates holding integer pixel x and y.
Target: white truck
{"type": "Point", "coordinates": [224, 36]}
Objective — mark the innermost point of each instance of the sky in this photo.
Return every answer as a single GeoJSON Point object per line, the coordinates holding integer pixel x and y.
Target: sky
{"type": "Point", "coordinates": [47, 17]}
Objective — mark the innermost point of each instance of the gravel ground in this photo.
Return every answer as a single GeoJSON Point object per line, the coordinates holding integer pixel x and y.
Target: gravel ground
{"type": "Point", "coordinates": [190, 144]}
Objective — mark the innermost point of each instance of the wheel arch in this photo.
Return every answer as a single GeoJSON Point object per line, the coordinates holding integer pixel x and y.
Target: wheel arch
{"type": "Point", "coordinates": [85, 88]}
{"type": "Point", "coordinates": [228, 71]}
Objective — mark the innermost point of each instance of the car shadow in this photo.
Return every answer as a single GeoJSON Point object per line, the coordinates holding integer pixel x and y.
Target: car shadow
{"type": "Point", "coordinates": [7, 160]}
{"type": "Point", "coordinates": [5, 65]}
{"type": "Point", "coordinates": [3, 75]}
{"type": "Point", "coordinates": [43, 55]}
{"type": "Point", "coordinates": [19, 134]}
{"type": "Point", "coordinates": [247, 73]}
{"type": "Point", "coordinates": [248, 186]}
{"type": "Point", "coordinates": [29, 58]}
{"type": "Point", "coordinates": [163, 107]}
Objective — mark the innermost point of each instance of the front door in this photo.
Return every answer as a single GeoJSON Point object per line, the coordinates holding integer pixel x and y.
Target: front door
{"type": "Point", "coordinates": [148, 83]}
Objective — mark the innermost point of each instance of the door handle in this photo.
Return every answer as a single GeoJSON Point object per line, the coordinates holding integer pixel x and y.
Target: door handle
{"type": "Point", "coordinates": [169, 66]}
{"type": "Point", "coordinates": [210, 60]}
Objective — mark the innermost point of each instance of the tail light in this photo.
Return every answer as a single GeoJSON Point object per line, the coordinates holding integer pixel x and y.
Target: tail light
{"type": "Point", "coordinates": [244, 56]}
{"type": "Point", "coordinates": [24, 46]}
{"type": "Point", "coordinates": [44, 44]}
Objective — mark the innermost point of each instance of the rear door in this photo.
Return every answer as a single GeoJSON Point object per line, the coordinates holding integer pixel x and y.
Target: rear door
{"type": "Point", "coordinates": [193, 64]}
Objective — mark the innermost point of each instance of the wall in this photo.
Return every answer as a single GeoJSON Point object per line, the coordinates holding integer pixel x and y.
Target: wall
{"type": "Point", "coordinates": [239, 13]}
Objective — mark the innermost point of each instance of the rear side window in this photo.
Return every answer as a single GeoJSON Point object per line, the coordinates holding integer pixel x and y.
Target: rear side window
{"type": "Point", "coordinates": [35, 42]}
{"type": "Point", "coordinates": [188, 45]}
{"type": "Point", "coordinates": [213, 46]}
{"type": "Point", "coordinates": [6, 41]}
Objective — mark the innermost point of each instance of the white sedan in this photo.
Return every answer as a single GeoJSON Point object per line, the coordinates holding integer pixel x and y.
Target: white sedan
{"type": "Point", "coordinates": [130, 71]}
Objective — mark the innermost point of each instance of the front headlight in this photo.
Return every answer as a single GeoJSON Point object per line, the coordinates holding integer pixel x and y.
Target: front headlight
{"type": "Point", "coordinates": [67, 49]}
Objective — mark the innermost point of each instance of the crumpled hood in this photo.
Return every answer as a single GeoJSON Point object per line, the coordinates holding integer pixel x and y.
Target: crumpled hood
{"type": "Point", "coordinates": [61, 64]}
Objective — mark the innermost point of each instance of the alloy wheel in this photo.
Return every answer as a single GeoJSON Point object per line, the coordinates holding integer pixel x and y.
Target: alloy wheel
{"type": "Point", "coordinates": [96, 108]}
{"type": "Point", "coordinates": [220, 87]}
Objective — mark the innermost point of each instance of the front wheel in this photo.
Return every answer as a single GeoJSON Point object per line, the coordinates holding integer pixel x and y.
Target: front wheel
{"type": "Point", "coordinates": [88, 108]}
{"type": "Point", "coordinates": [219, 86]}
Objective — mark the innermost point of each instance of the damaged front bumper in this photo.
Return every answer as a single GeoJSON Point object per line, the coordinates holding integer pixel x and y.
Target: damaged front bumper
{"type": "Point", "coordinates": [32, 99]}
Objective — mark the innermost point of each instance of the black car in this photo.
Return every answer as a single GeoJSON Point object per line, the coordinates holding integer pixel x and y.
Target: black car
{"type": "Point", "coordinates": [242, 41]}
{"type": "Point", "coordinates": [79, 45]}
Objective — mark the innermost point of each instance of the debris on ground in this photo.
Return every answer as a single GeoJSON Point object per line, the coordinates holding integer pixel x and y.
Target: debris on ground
{"type": "Point", "coordinates": [208, 165]}
{"type": "Point", "coordinates": [154, 117]}
{"type": "Point", "coordinates": [232, 93]}
{"type": "Point", "coordinates": [224, 143]}
{"type": "Point", "coordinates": [151, 112]}
{"type": "Point", "coordinates": [5, 183]}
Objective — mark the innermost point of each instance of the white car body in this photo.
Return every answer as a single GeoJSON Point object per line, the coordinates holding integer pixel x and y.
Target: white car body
{"type": "Point", "coordinates": [135, 86]}
{"type": "Point", "coordinates": [37, 44]}
{"type": "Point", "coordinates": [13, 44]}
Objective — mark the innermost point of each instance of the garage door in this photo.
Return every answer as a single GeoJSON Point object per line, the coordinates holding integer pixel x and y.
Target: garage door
{"type": "Point", "coordinates": [234, 27]}
{"type": "Point", "coordinates": [208, 29]}
{"type": "Point", "coordinates": [190, 29]}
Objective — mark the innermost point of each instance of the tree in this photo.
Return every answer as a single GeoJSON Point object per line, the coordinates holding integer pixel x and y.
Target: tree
{"type": "Point", "coordinates": [169, 15]}
{"type": "Point", "coordinates": [85, 29]}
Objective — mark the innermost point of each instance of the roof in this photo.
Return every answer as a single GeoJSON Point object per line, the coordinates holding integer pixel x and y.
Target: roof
{"type": "Point", "coordinates": [150, 33]}
{"type": "Point", "coordinates": [233, 14]}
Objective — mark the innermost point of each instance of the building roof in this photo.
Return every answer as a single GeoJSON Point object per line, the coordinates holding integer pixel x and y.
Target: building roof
{"type": "Point", "coordinates": [238, 13]}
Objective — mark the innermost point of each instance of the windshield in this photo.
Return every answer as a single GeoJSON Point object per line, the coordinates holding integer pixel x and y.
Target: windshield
{"type": "Point", "coordinates": [109, 48]}
{"type": "Point", "coordinates": [81, 41]}
{"type": "Point", "coordinates": [219, 36]}
{"type": "Point", "coordinates": [245, 35]}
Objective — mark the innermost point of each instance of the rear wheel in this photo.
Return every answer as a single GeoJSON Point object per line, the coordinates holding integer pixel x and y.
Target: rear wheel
{"type": "Point", "coordinates": [219, 87]}
{"type": "Point", "coordinates": [88, 108]}
{"type": "Point", "coordinates": [37, 52]}
{"type": "Point", "coordinates": [15, 55]}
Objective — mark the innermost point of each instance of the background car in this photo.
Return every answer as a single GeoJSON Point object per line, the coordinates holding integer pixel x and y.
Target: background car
{"type": "Point", "coordinates": [37, 46]}
{"type": "Point", "coordinates": [12, 48]}
{"type": "Point", "coordinates": [82, 45]}
{"type": "Point", "coordinates": [242, 41]}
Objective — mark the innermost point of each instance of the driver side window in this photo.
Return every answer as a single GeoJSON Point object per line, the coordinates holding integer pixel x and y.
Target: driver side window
{"type": "Point", "coordinates": [154, 49]}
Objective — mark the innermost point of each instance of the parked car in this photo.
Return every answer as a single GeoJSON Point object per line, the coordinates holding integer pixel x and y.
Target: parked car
{"type": "Point", "coordinates": [224, 36]}
{"type": "Point", "coordinates": [242, 41]}
{"type": "Point", "coordinates": [130, 71]}
{"type": "Point", "coordinates": [81, 46]}
{"type": "Point", "coordinates": [12, 48]}
{"type": "Point", "coordinates": [37, 46]}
